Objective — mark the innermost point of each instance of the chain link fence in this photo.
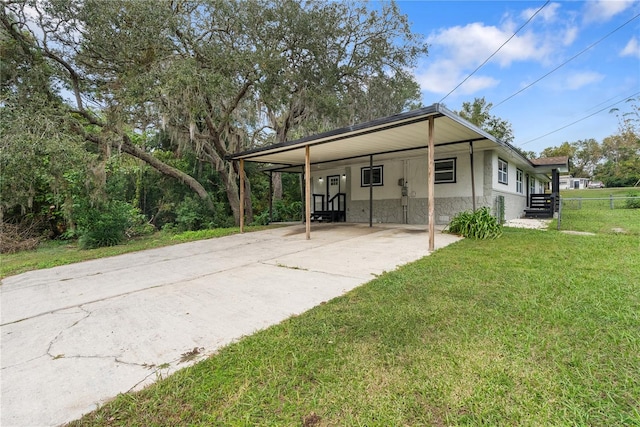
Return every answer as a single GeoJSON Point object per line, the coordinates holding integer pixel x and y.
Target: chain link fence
{"type": "Point", "coordinates": [599, 213]}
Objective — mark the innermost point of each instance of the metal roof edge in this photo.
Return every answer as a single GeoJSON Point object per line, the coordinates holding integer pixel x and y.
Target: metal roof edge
{"type": "Point", "coordinates": [424, 111]}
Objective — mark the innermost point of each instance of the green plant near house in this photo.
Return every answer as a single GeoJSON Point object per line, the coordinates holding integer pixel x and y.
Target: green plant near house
{"type": "Point", "coordinates": [478, 224]}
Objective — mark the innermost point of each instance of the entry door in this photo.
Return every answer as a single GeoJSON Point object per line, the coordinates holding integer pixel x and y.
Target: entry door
{"type": "Point", "coordinates": [333, 186]}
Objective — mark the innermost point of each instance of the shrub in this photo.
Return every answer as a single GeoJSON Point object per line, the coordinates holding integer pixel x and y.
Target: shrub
{"type": "Point", "coordinates": [282, 211]}
{"type": "Point", "coordinates": [108, 224]}
{"type": "Point", "coordinates": [192, 214]}
{"type": "Point", "coordinates": [479, 224]}
{"type": "Point", "coordinates": [632, 203]}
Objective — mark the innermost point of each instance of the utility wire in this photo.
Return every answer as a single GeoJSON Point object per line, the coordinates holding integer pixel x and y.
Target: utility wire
{"type": "Point", "coordinates": [579, 120]}
{"type": "Point", "coordinates": [494, 53]}
{"type": "Point", "coordinates": [564, 63]}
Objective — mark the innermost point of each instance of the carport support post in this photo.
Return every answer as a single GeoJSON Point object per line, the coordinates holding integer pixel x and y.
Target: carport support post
{"type": "Point", "coordinates": [307, 192]}
{"type": "Point", "coordinates": [431, 186]}
{"type": "Point", "coordinates": [371, 190]}
{"type": "Point", "coordinates": [242, 195]}
{"type": "Point", "coordinates": [473, 180]}
{"type": "Point", "coordinates": [270, 197]}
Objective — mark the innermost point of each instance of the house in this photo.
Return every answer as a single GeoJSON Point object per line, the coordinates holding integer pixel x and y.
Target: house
{"type": "Point", "coordinates": [418, 167]}
{"type": "Point", "coordinates": [567, 182]}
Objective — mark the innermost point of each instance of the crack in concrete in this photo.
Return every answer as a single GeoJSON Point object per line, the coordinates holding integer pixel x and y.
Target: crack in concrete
{"type": "Point", "coordinates": [53, 341]}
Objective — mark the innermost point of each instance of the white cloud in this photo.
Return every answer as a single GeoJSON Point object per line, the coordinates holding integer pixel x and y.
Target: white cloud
{"type": "Point", "coordinates": [548, 14]}
{"type": "Point", "coordinates": [582, 79]}
{"type": "Point", "coordinates": [473, 43]}
{"type": "Point", "coordinates": [442, 76]}
{"type": "Point", "coordinates": [603, 10]}
{"type": "Point", "coordinates": [632, 48]}
{"type": "Point", "coordinates": [570, 35]}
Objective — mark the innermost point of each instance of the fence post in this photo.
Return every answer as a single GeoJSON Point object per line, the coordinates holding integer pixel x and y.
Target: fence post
{"type": "Point", "coordinates": [611, 200]}
{"type": "Point", "coordinates": [580, 203]}
{"type": "Point", "coordinates": [559, 212]}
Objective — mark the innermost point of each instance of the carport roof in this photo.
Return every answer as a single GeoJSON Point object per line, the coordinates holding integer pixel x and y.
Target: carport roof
{"type": "Point", "coordinates": [399, 133]}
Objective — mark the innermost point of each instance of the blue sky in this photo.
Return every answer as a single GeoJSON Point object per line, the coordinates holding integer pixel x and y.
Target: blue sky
{"type": "Point", "coordinates": [463, 34]}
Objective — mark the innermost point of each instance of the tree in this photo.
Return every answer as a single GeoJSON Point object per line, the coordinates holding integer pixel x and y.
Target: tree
{"type": "Point", "coordinates": [621, 152]}
{"type": "Point", "coordinates": [46, 36]}
{"type": "Point", "coordinates": [587, 156]}
{"type": "Point", "coordinates": [479, 113]}
{"type": "Point", "coordinates": [217, 76]}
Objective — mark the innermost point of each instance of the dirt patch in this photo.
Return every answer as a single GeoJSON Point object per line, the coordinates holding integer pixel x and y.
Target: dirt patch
{"type": "Point", "coordinates": [311, 420]}
{"type": "Point", "coordinates": [578, 233]}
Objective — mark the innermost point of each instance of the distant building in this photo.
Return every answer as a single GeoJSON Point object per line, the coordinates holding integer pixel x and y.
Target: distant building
{"type": "Point", "coordinates": [567, 182]}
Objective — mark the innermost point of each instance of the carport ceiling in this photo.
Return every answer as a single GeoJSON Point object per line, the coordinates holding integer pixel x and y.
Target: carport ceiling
{"type": "Point", "coordinates": [403, 132]}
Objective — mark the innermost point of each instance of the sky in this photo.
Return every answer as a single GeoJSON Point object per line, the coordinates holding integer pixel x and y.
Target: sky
{"type": "Point", "coordinates": [461, 35]}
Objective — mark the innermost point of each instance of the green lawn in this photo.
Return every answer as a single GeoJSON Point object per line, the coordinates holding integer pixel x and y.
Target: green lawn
{"type": "Point", "coordinates": [54, 253]}
{"type": "Point", "coordinates": [534, 328]}
{"type": "Point", "coordinates": [593, 215]}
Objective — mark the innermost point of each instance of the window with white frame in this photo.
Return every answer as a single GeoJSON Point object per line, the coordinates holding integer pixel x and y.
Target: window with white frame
{"type": "Point", "coordinates": [503, 171]}
{"type": "Point", "coordinates": [519, 181]}
{"type": "Point", "coordinates": [445, 170]}
{"type": "Point", "coordinates": [532, 185]}
{"type": "Point", "coordinates": [366, 174]}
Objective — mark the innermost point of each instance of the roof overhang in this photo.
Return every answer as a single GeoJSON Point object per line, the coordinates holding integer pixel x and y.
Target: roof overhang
{"type": "Point", "coordinates": [546, 165]}
{"type": "Point", "coordinates": [402, 133]}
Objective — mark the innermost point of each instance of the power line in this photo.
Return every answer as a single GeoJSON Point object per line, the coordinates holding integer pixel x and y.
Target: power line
{"type": "Point", "coordinates": [494, 53]}
{"type": "Point", "coordinates": [564, 63]}
{"type": "Point", "coordinates": [579, 120]}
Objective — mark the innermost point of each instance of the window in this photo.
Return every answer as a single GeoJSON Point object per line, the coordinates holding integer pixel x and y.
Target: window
{"type": "Point", "coordinates": [365, 176]}
{"type": "Point", "coordinates": [445, 170]}
{"type": "Point", "coordinates": [334, 180]}
{"type": "Point", "coordinates": [503, 172]}
{"type": "Point", "coordinates": [532, 185]}
{"type": "Point", "coordinates": [519, 186]}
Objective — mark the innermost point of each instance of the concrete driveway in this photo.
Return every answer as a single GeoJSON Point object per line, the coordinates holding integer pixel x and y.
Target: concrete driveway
{"type": "Point", "coordinates": [75, 336]}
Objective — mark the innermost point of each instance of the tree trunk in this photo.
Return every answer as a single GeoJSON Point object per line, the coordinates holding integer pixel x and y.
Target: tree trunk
{"type": "Point", "coordinates": [276, 179]}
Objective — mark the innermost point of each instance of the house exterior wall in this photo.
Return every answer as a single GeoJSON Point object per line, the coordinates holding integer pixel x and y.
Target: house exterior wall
{"type": "Point", "coordinates": [450, 198]}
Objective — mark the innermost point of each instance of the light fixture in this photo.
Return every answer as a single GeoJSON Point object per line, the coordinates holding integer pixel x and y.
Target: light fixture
{"type": "Point", "coordinates": [320, 179]}
{"type": "Point", "coordinates": [344, 176]}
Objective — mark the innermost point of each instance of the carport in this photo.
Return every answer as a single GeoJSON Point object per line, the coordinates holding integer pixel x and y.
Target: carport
{"type": "Point", "coordinates": [426, 129]}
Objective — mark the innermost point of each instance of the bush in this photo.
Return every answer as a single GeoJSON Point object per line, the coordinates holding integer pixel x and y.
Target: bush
{"type": "Point", "coordinates": [109, 224]}
{"type": "Point", "coordinates": [633, 203]}
{"type": "Point", "coordinates": [282, 211]}
{"type": "Point", "coordinates": [479, 224]}
{"type": "Point", "coordinates": [192, 214]}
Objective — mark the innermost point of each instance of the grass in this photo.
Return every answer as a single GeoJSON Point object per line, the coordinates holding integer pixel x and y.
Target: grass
{"type": "Point", "coordinates": [596, 216]}
{"type": "Point", "coordinates": [534, 328]}
{"type": "Point", "coordinates": [55, 253]}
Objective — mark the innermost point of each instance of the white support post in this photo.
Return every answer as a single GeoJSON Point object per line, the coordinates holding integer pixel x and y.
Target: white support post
{"type": "Point", "coordinates": [431, 186]}
{"type": "Point", "coordinates": [242, 195]}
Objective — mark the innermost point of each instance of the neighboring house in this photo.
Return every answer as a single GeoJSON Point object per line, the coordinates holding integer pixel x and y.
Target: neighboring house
{"type": "Point", "coordinates": [379, 171]}
{"type": "Point", "coordinates": [567, 182]}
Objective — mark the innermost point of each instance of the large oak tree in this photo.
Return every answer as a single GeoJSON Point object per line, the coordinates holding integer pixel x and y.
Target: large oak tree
{"type": "Point", "coordinates": [216, 76]}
